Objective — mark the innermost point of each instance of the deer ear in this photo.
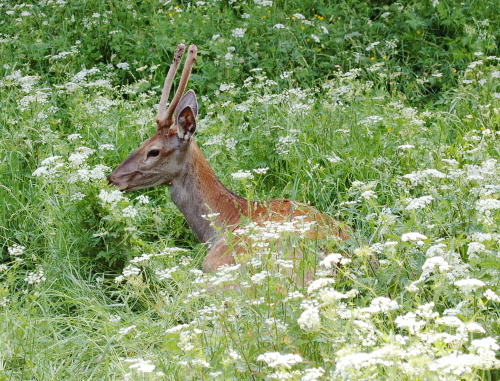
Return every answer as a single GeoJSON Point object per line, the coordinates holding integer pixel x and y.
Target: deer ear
{"type": "Point", "coordinates": [186, 115]}
{"type": "Point", "coordinates": [189, 99]}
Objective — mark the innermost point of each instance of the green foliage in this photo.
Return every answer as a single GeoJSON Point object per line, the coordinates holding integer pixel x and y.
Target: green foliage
{"type": "Point", "coordinates": [383, 115]}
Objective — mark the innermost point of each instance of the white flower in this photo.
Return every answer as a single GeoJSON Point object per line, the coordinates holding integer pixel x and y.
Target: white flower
{"type": "Point", "coordinates": [140, 365]}
{"type": "Point", "coordinates": [123, 65]}
{"type": "Point", "coordinates": [107, 147]}
{"type": "Point", "coordinates": [413, 236]}
{"type": "Point", "coordinates": [383, 304]}
{"type": "Point", "coordinates": [434, 263]}
{"type": "Point", "coordinates": [238, 32]}
{"type": "Point", "coordinates": [142, 199]}
{"type": "Point", "coordinates": [125, 330]}
{"type": "Point", "coordinates": [259, 277]}
{"type": "Point", "coordinates": [372, 45]}
{"type": "Point", "coordinates": [110, 197]}
{"type": "Point", "coordinates": [410, 322]}
{"type": "Point", "coordinates": [260, 171]}
{"type": "Point", "coordinates": [279, 26]}
{"type": "Point", "coordinates": [35, 277]}
{"type": "Point", "coordinates": [50, 160]}
{"type": "Point", "coordinates": [331, 260]}
{"type": "Point", "coordinates": [469, 285]}
{"type": "Point", "coordinates": [475, 248]}
{"type": "Point", "coordinates": [226, 86]}
{"type": "Point", "coordinates": [419, 203]}
{"type": "Point", "coordinates": [367, 195]}
{"type": "Point", "coordinates": [242, 175]}
{"type": "Point", "coordinates": [74, 137]}
{"type": "Point", "coordinates": [491, 295]}
{"type": "Point", "coordinates": [333, 158]}
{"type": "Point", "coordinates": [488, 343]}
{"type": "Point", "coordinates": [487, 205]}
{"type": "Point", "coordinates": [319, 283]}
{"type": "Point", "coordinates": [16, 250]}
{"type": "Point", "coordinates": [310, 319]}
{"type": "Point", "coordinates": [98, 172]}
{"type": "Point", "coordinates": [277, 360]}
{"type": "Point", "coordinates": [77, 196]}
{"type": "Point", "coordinates": [77, 158]}
{"type": "Point", "coordinates": [313, 374]}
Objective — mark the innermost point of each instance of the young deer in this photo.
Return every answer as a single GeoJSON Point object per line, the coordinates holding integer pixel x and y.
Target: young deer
{"type": "Point", "coordinates": [171, 157]}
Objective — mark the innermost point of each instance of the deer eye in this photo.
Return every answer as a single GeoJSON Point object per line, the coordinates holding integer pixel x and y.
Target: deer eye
{"type": "Point", "coordinates": [153, 153]}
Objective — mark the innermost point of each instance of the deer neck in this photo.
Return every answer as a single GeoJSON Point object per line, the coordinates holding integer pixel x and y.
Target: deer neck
{"type": "Point", "coordinates": [198, 192]}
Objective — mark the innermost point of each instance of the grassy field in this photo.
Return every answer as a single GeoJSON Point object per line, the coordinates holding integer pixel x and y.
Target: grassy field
{"type": "Point", "coordinates": [382, 115]}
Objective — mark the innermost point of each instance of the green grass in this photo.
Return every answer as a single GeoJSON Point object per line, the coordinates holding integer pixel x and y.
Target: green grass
{"type": "Point", "coordinates": [384, 116]}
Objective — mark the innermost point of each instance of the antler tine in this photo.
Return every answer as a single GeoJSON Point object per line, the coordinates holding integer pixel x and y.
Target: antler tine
{"type": "Point", "coordinates": [186, 72]}
{"type": "Point", "coordinates": [162, 116]}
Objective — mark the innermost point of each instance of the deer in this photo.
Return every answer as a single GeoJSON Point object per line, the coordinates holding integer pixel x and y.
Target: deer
{"type": "Point", "coordinates": [171, 157]}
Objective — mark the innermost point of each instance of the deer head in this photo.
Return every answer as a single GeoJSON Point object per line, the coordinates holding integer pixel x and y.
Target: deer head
{"type": "Point", "coordinates": [160, 159]}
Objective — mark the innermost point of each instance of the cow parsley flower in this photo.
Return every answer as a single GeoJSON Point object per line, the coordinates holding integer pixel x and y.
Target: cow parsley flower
{"type": "Point", "coordinates": [414, 236]}
{"type": "Point", "coordinates": [492, 296]}
{"type": "Point", "coordinates": [277, 360]}
{"type": "Point", "coordinates": [319, 283]}
{"type": "Point", "coordinates": [238, 32]}
{"type": "Point", "coordinates": [123, 65]}
{"type": "Point", "coordinates": [331, 260]}
{"type": "Point", "coordinates": [140, 365]}
{"type": "Point", "coordinates": [36, 276]}
{"type": "Point", "coordinates": [110, 197]}
{"type": "Point", "coordinates": [242, 175]}
{"type": "Point", "coordinates": [16, 250]}
{"type": "Point", "coordinates": [419, 203]}
{"type": "Point", "coordinates": [469, 285]}
{"type": "Point", "coordinates": [368, 195]}
{"type": "Point", "coordinates": [409, 321]}
{"type": "Point", "coordinates": [310, 320]}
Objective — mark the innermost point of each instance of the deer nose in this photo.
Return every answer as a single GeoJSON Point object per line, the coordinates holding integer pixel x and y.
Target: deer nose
{"type": "Point", "coordinates": [111, 180]}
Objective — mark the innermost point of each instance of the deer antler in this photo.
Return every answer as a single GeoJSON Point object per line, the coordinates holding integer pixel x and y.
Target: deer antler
{"type": "Point", "coordinates": [165, 119]}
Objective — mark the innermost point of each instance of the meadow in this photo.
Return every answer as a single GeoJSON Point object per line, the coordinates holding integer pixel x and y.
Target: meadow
{"type": "Point", "coordinates": [382, 115]}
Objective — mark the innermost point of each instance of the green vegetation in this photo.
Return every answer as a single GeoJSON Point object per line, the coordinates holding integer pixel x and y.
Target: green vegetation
{"type": "Point", "coordinates": [382, 115]}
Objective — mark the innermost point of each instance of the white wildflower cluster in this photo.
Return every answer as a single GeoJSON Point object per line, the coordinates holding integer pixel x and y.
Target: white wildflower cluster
{"type": "Point", "coordinates": [469, 285]}
{"type": "Point", "coordinates": [242, 175]}
{"type": "Point", "coordinates": [16, 250]}
{"type": "Point", "coordinates": [272, 231]}
{"type": "Point", "coordinates": [416, 237]}
{"type": "Point", "coordinates": [284, 144]}
{"type": "Point", "coordinates": [126, 330]}
{"type": "Point", "coordinates": [421, 177]}
{"type": "Point", "coordinates": [424, 329]}
{"type": "Point", "coordinates": [310, 319]}
{"type": "Point", "coordinates": [73, 170]}
{"type": "Point", "coordinates": [110, 197]}
{"type": "Point", "coordinates": [130, 212]}
{"type": "Point", "coordinates": [238, 32]}
{"type": "Point", "coordinates": [225, 275]}
{"type": "Point", "coordinates": [36, 277]}
{"type": "Point", "coordinates": [140, 365]}
{"type": "Point", "coordinates": [441, 261]}
{"type": "Point", "coordinates": [128, 272]}
{"type": "Point", "coordinates": [277, 360]}
{"type": "Point", "coordinates": [368, 195]}
{"type": "Point", "coordinates": [487, 210]}
{"type": "Point", "coordinates": [419, 202]}
{"type": "Point", "coordinates": [81, 154]}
